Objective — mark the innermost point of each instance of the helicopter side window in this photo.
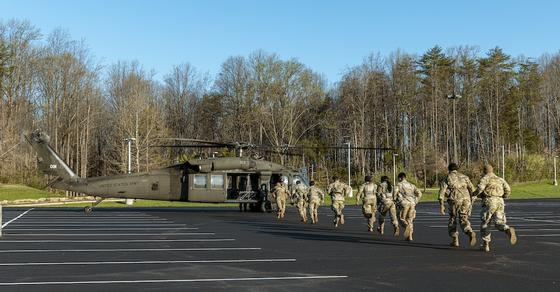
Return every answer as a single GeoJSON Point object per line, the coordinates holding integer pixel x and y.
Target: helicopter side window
{"type": "Point", "coordinates": [200, 181]}
{"type": "Point", "coordinates": [217, 181]}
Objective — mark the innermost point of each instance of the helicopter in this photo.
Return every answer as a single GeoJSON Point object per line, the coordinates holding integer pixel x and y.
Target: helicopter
{"type": "Point", "coordinates": [242, 180]}
{"type": "Point", "coordinates": [246, 181]}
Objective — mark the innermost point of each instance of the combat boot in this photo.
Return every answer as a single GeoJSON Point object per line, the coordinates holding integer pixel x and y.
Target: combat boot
{"type": "Point", "coordinates": [409, 237]}
{"type": "Point", "coordinates": [397, 231]}
{"type": "Point", "coordinates": [512, 236]}
{"type": "Point", "coordinates": [406, 231]}
{"type": "Point", "coordinates": [454, 241]}
{"type": "Point", "coordinates": [485, 246]}
{"type": "Point", "coordinates": [472, 238]}
{"type": "Point", "coordinates": [381, 228]}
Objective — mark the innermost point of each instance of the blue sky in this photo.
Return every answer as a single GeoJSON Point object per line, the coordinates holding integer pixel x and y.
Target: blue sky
{"type": "Point", "coordinates": [328, 36]}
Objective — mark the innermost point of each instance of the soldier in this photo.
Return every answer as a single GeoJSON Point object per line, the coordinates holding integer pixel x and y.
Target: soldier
{"type": "Point", "coordinates": [493, 190]}
{"type": "Point", "coordinates": [300, 198]}
{"type": "Point", "coordinates": [338, 191]}
{"type": "Point", "coordinates": [280, 194]}
{"type": "Point", "coordinates": [366, 196]}
{"type": "Point", "coordinates": [386, 203]}
{"type": "Point", "coordinates": [458, 190]}
{"type": "Point", "coordinates": [316, 197]}
{"type": "Point", "coordinates": [407, 196]}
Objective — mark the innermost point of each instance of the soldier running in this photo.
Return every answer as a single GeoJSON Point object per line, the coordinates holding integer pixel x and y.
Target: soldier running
{"type": "Point", "coordinates": [316, 198]}
{"type": "Point", "coordinates": [280, 194]}
{"type": "Point", "coordinates": [338, 192]}
{"type": "Point", "coordinates": [407, 196]}
{"type": "Point", "coordinates": [386, 203]}
{"type": "Point", "coordinates": [300, 198]}
{"type": "Point", "coordinates": [458, 190]}
{"type": "Point", "coordinates": [367, 197]}
{"type": "Point", "coordinates": [493, 190]}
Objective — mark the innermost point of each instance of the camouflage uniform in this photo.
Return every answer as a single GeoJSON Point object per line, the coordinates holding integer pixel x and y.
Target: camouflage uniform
{"type": "Point", "coordinates": [493, 189]}
{"type": "Point", "coordinates": [315, 196]}
{"type": "Point", "coordinates": [300, 198]}
{"type": "Point", "coordinates": [458, 190]}
{"type": "Point", "coordinates": [281, 193]}
{"type": "Point", "coordinates": [407, 196]}
{"type": "Point", "coordinates": [338, 191]}
{"type": "Point", "coordinates": [366, 195]}
{"type": "Point", "coordinates": [386, 203]}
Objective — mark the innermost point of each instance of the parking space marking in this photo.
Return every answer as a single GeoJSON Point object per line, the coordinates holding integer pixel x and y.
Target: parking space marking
{"type": "Point", "coordinates": [109, 234]}
{"type": "Point", "coordinates": [16, 218]}
{"type": "Point", "coordinates": [156, 281]}
{"type": "Point", "coordinates": [99, 225]}
{"type": "Point", "coordinates": [118, 241]}
{"type": "Point", "coordinates": [101, 229]}
{"type": "Point", "coordinates": [129, 249]}
{"type": "Point", "coordinates": [539, 235]}
{"type": "Point", "coordinates": [146, 262]}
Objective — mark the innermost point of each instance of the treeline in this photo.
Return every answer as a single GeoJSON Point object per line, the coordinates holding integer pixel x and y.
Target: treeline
{"type": "Point", "coordinates": [399, 101]}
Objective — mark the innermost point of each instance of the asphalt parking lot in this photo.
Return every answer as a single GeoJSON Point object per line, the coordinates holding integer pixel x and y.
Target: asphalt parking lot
{"type": "Point", "coordinates": [61, 249]}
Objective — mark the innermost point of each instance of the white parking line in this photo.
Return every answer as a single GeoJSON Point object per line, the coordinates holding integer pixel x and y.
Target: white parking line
{"type": "Point", "coordinates": [20, 215]}
{"type": "Point", "coordinates": [108, 234]}
{"type": "Point", "coordinates": [99, 225]}
{"type": "Point", "coordinates": [538, 235]}
{"type": "Point", "coordinates": [117, 240]}
{"type": "Point", "coordinates": [172, 280]}
{"type": "Point", "coordinates": [100, 229]}
{"type": "Point", "coordinates": [146, 262]}
{"type": "Point", "coordinates": [128, 249]}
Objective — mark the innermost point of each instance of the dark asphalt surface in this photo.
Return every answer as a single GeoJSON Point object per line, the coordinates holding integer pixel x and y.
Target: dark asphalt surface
{"type": "Point", "coordinates": [164, 249]}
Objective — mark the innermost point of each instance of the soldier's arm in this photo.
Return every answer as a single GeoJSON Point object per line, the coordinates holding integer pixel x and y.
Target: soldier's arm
{"type": "Point", "coordinates": [417, 193]}
{"type": "Point", "coordinates": [396, 191]}
{"type": "Point", "coordinates": [481, 187]}
{"type": "Point", "coordinates": [507, 189]}
{"type": "Point", "coordinates": [360, 194]}
{"type": "Point", "coordinates": [442, 191]}
{"type": "Point", "coordinates": [471, 189]}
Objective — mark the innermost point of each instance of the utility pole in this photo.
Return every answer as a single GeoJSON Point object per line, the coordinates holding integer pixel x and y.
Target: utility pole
{"type": "Point", "coordinates": [395, 169]}
{"type": "Point", "coordinates": [349, 174]}
{"type": "Point", "coordinates": [503, 162]}
{"type": "Point", "coordinates": [555, 180]}
{"type": "Point", "coordinates": [129, 141]}
{"type": "Point", "coordinates": [454, 98]}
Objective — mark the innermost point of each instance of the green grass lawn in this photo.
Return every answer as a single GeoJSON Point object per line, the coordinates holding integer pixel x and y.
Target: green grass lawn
{"type": "Point", "coordinates": [16, 192]}
{"type": "Point", "coordinates": [530, 190]}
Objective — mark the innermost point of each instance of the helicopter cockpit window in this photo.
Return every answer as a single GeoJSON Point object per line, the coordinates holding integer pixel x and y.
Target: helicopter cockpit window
{"type": "Point", "coordinates": [200, 181]}
{"type": "Point", "coordinates": [217, 181]}
{"type": "Point", "coordinates": [301, 179]}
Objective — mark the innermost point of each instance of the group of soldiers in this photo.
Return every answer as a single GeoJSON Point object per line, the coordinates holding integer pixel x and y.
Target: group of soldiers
{"type": "Point", "coordinates": [400, 202]}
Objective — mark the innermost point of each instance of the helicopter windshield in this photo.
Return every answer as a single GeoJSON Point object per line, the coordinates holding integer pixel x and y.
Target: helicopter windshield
{"type": "Point", "coordinates": [302, 179]}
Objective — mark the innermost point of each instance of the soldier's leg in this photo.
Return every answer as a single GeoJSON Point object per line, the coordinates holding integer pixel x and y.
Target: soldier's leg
{"type": "Point", "coordinates": [283, 208]}
{"type": "Point", "coordinates": [381, 213]}
{"type": "Point", "coordinates": [486, 217]}
{"type": "Point", "coordinates": [403, 218]}
{"type": "Point", "coordinates": [334, 207]}
{"type": "Point", "coordinates": [464, 212]}
{"type": "Point", "coordinates": [402, 215]}
{"type": "Point", "coordinates": [410, 220]}
{"type": "Point", "coordinates": [279, 207]}
{"type": "Point", "coordinates": [367, 212]}
{"type": "Point", "coordinates": [452, 223]}
{"type": "Point", "coordinates": [501, 223]}
{"type": "Point", "coordinates": [394, 220]}
{"type": "Point", "coordinates": [341, 208]}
